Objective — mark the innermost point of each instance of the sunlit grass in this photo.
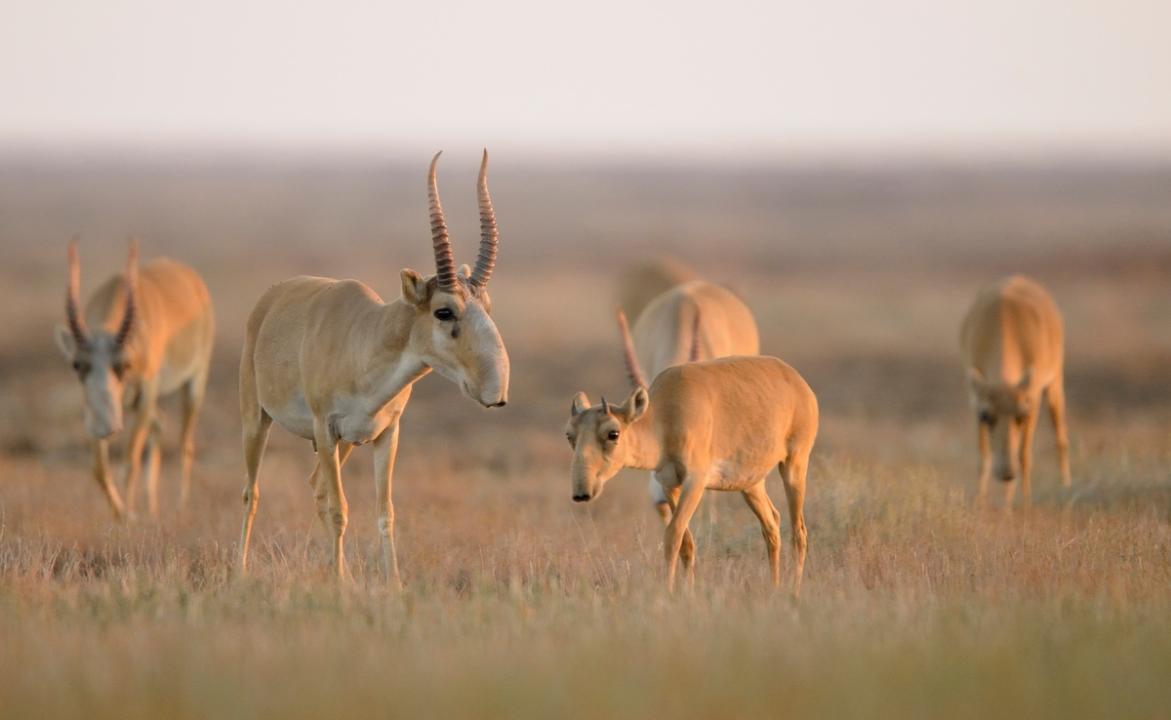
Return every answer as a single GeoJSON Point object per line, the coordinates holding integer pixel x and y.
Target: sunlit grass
{"type": "Point", "coordinates": [913, 604]}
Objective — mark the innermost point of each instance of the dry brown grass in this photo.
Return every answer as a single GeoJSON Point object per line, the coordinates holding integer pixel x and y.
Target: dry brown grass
{"type": "Point", "coordinates": [521, 604]}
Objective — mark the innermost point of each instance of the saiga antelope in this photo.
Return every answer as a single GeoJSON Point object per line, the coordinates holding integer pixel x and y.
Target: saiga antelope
{"type": "Point", "coordinates": [144, 334]}
{"type": "Point", "coordinates": [331, 362]}
{"type": "Point", "coordinates": [719, 425]}
{"type": "Point", "coordinates": [1012, 339]}
{"type": "Point", "coordinates": [692, 321]}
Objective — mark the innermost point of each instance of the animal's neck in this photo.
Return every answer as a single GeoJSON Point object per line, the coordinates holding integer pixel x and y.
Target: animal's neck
{"type": "Point", "coordinates": [393, 366]}
{"type": "Point", "coordinates": [645, 449]}
{"type": "Point", "coordinates": [136, 348]}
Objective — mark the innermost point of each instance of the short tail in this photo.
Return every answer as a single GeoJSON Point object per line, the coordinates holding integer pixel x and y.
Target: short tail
{"type": "Point", "coordinates": [693, 352]}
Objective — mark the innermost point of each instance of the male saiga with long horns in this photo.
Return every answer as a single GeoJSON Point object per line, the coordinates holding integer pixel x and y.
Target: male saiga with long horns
{"type": "Point", "coordinates": [331, 362]}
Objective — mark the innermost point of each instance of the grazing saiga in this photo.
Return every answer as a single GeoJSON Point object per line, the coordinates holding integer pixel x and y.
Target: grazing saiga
{"type": "Point", "coordinates": [1013, 344]}
{"type": "Point", "coordinates": [331, 362]}
{"type": "Point", "coordinates": [715, 425]}
{"type": "Point", "coordinates": [144, 334]}
{"type": "Point", "coordinates": [692, 321]}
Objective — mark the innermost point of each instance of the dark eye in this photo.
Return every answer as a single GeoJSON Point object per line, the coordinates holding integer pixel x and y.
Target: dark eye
{"type": "Point", "coordinates": [81, 366]}
{"type": "Point", "coordinates": [572, 440]}
{"type": "Point", "coordinates": [444, 314]}
{"type": "Point", "coordinates": [987, 418]}
{"type": "Point", "coordinates": [612, 435]}
{"type": "Point", "coordinates": [120, 368]}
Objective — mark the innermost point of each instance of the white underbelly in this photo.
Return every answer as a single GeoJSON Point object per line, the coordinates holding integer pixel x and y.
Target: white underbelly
{"type": "Point", "coordinates": [727, 475]}
{"type": "Point", "coordinates": [723, 475]}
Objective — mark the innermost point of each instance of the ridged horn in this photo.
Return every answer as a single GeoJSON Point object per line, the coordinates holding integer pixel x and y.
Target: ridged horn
{"type": "Point", "coordinates": [633, 371]}
{"type": "Point", "coordinates": [130, 314]}
{"type": "Point", "coordinates": [440, 240]}
{"type": "Point", "coordinates": [605, 406]}
{"type": "Point", "coordinates": [489, 235]}
{"type": "Point", "coordinates": [73, 298]}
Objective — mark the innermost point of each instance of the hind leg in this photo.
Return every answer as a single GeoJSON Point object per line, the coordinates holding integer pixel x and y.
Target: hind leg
{"type": "Point", "coordinates": [256, 427]}
{"type": "Point", "coordinates": [1055, 396]}
{"type": "Point", "coordinates": [1027, 433]}
{"type": "Point", "coordinates": [985, 442]}
{"type": "Point", "coordinates": [770, 526]}
{"type": "Point", "coordinates": [192, 398]}
{"type": "Point", "coordinates": [154, 454]}
{"type": "Point", "coordinates": [793, 473]}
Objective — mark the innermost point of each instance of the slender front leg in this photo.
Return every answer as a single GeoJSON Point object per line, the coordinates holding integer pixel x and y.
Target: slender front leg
{"type": "Point", "coordinates": [256, 425]}
{"type": "Point", "coordinates": [192, 397]}
{"type": "Point", "coordinates": [1056, 399]}
{"type": "Point", "coordinates": [331, 477]}
{"type": "Point", "coordinates": [1009, 495]}
{"type": "Point", "coordinates": [770, 526]}
{"type": "Point", "coordinates": [385, 451]}
{"type": "Point", "coordinates": [687, 547]}
{"type": "Point", "coordinates": [1030, 427]}
{"type": "Point", "coordinates": [154, 454]}
{"type": "Point", "coordinates": [320, 492]}
{"type": "Point", "coordinates": [143, 419]}
{"type": "Point", "coordinates": [690, 494]}
{"type": "Point", "coordinates": [101, 470]}
{"type": "Point", "coordinates": [663, 505]}
{"type": "Point", "coordinates": [985, 443]}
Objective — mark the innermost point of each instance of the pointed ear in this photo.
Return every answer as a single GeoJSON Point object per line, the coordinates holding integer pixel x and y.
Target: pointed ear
{"type": "Point", "coordinates": [581, 403]}
{"type": "Point", "coordinates": [1026, 380]}
{"type": "Point", "coordinates": [465, 271]}
{"type": "Point", "coordinates": [637, 404]}
{"type": "Point", "coordinates": [414, 287]}
{"type": "Point", "coordinates": [65, 341]}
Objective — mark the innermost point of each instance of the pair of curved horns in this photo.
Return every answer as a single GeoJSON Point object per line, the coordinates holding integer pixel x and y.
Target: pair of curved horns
{"type": "Point", "coordinates": [73, 297]}
{"type": "Point", "coordinates": [441, 240]}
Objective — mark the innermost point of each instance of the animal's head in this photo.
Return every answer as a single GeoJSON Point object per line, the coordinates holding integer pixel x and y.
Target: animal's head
{"type": "Point", "coordinates": [1004, 409]}
{"type": "Point", "coordinates": [598, 436]}
{"type": "Point", "coordinates": [597, 433]}
{"type": "Point", "coordinates": [453, 330]}
{"type": "Point", "coordinates": [100, 357]}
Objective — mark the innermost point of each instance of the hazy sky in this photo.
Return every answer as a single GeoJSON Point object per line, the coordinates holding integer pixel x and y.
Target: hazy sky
{"type": "Point", "coordinates": [717, 77]}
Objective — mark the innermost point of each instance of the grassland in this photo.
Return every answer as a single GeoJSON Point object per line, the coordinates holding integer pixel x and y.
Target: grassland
{"type": "Point", "coordinates": [522, 604]}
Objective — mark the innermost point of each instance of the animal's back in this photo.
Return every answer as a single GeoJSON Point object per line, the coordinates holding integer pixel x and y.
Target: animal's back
{"type": "Point", "coordinates": [756, 405]}
{"type": "Point", "coordinates": [1013, 324]}
{"type": "Point", "coordinates": [278, 328]}
{"type": "Point", "coordinates": [663, 332]}
{"type": "Point", "coordinates": [175, 317]}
